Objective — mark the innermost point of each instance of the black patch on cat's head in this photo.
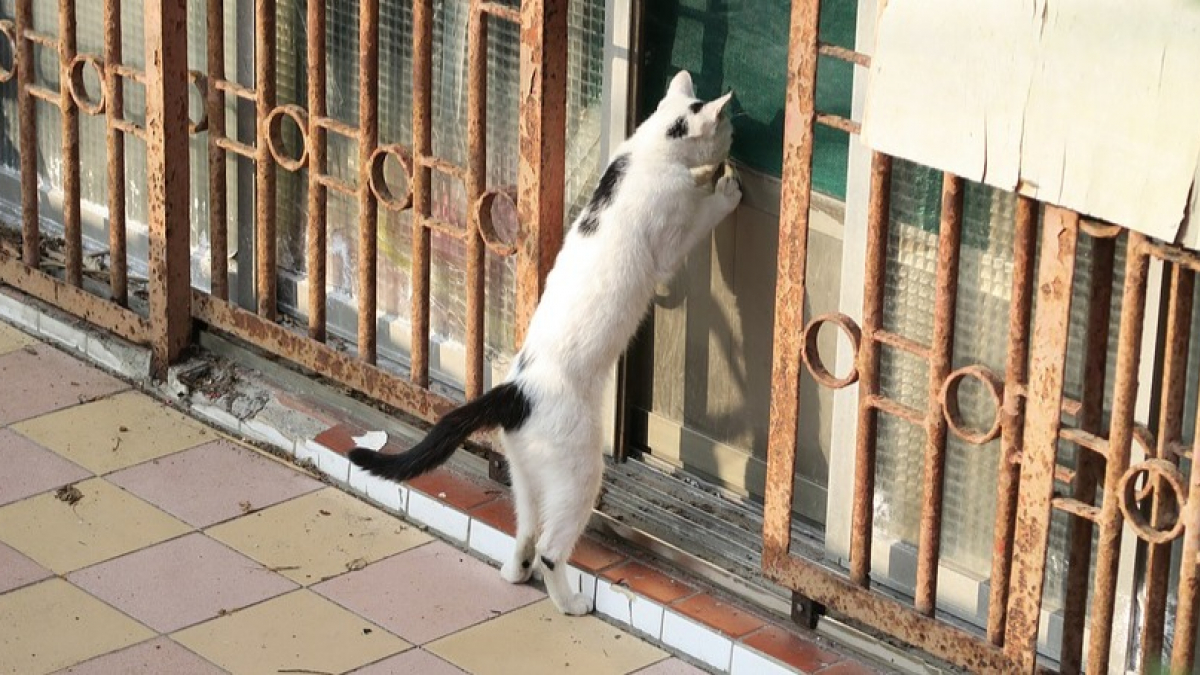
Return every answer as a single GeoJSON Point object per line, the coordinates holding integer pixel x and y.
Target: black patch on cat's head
{"type": "Point", "coordinates": [696, 106]}
{"type": "Point", "coordinates": [603, 195]}
{"type": "Point", "coordinates": [679, 129]}
{"type": "Point", "coordinates": [547, 563]}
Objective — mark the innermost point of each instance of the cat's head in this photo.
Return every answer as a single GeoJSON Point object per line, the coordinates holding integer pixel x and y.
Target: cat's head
{"type": "Point", "coordinates": [687, 129]}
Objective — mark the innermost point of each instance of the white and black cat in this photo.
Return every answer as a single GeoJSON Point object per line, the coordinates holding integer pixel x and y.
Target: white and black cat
{"type": "Point", "coordinates": [647, 212]}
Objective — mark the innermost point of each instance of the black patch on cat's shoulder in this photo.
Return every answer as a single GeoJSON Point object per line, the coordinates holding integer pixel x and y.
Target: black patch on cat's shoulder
{"type": "Point", "coordinates": [547, 563]}
{"type": "Point", "coordinates": [679, 129]}
{"type": "Point", "coordinates": [589, 222]}
{"type": "Point", "coordinates": [696, 106]}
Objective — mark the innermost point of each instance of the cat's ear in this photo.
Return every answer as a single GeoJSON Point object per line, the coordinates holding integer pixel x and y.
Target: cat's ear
{"type": "Point", "coordinates": [681, 85]}
{"type": "Point", "coordinates": [717, 105]}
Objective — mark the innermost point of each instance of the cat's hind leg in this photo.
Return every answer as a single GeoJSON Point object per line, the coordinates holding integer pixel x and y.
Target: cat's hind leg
{"type": "Point", "coordinates": [525, 501]}
{"type": "Point", "coordinates": [569, 487]}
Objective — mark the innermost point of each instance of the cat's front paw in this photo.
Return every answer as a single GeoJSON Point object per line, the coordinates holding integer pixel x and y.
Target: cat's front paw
{"type": "Point", "coordinates": [577, 604]}
{"type": "Point", "coordinates": [729, 191]}
{"type": "Point", "coordinates": [516, 571]}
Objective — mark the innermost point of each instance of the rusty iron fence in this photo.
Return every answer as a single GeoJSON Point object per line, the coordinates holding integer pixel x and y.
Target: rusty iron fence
{"type": "Point", "coordinates": [1102, 492]}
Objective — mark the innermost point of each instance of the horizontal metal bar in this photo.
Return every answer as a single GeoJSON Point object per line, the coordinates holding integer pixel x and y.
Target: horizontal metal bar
{"type": "Point", "coordinates": [1063, 475]}
{"type": "Point", "coordinates": [127, 72]}
{"type": "Point", "coordinates": [91, 308]}
{"type": "Point", "coordinates": [320, 358]}
{"type": "Point", "coordinates": [1076, 508]}
{"type": "Point", "coordinates": [838, 122]}
{"type": "Point", "coordinates": [445, 227]}
{"type": "Point", "coordinates": [131, 128]}
{"type": "Point", "coordinates": [48, 95]}
{"type": "Point", "coordinates": [238, 148]}
{"type": "Point", "coordinates": [443, 166]}
{"type": "Point", "coordinates": [337, 185]}
{"type": "Point", "coordinates": [1085, 439]}
{"type": "Point", "coordinates": [1173, 254]}
{"type": "Point", "coordinates": [42, 39]}
{"type": "Point", "coordinates": [510, 14]}
{"type": "Point", "coordinates": [1179, 449]}
{"type": "Point", "coordinates": [337, 126]}
{"type": "Point", "coordinates": [843, 54]}
{"type": "Point", "coordinates": [887, 405]}
{"type": "Point", "coordinates": [902, 343]}
{"type": "Point", "coordinates": [236, 89]}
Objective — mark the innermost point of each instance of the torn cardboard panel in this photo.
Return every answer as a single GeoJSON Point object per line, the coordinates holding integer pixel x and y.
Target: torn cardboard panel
{"type": "Point", "coordinates": [1088, 104]}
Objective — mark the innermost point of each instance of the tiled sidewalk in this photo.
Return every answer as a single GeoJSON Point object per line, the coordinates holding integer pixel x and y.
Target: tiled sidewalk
{"type": "Point", "coordinates": [134, 539]}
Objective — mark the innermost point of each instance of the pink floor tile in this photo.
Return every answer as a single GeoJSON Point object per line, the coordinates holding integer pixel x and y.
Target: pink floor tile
{"type": "Point", "coordinates": [16, 570]}
{"type": "Point", "coordinates": [671, 667]}
{"type": "Point", "coordinates": [415, 661]}
{"type": "Point", "coordinates": [160, 655]}
{"type": "Point", "coordinates": [213, 482]}
{"type": "Point", "coordinates": [30, 469]}
{"type": "Point", "coordinates": [180, 582]}
{"type": "Point", "coordinates": [42, 379]}
{"type": "Point", "coordinates": [428, 592]}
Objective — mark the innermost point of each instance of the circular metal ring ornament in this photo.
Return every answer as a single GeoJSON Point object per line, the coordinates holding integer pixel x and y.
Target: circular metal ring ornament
{"type": "Point", "coordinates": [378, 179]}
{"type": "Point", "coordinates": [200, 82]}
{"type": "Point", "coordinates": [1128, 497]}
{"type": "Point", "coordinates": [77, 88]}
{"type": "Point", "coordinates": [487, 228]}
{"type": "Point", "coordinates": [9, 31]}
{"type": "Point", "coordinates": [811, 355]}
{"type": "Point", "coordinates": [274, 124]}
{"type": "Point", "coordinates": [953, 414]}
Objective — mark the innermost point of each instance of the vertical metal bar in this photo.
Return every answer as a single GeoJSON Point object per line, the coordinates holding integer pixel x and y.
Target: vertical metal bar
{"type": "Point", "coordinates": [368, 209]}
{"type": "Point", "coordinates": [72, 228]}
{"type": "Point", "coordinates": [27, 121]}
{"type": "Point", "coordinates": [1170, 428]}
{"type": "Point", "coordinates": [1120, 439]}
{"type": "Point", "coordinates": [1012, 431]}
{"type": "Point", "coordinates": [1183, 652]}
{"type": "Point", "coordinates": [1043, 406]}
{"type": "Point", "coordinates": [540, 187]}
{"type": "Point", "coordinates": [940, 354]}
{"type": "Point", "coordinates": [167, 178]}
{"type": "Point", "coordinates": [114, 110]}
{"type": "Point", "coordinates": [264, 221]}
{"type": "Point", "coordinates": [214, 101]}
{"type": "Point", "coordinates": [795, 200]}
{"type": "Point", "coordinates": [1089, 465]}
{"type": "Point", "coordinates": [874, 276]}
{"type": "Point", "coordinates": [317, 194]}
{"type": "Point", "coordinates": [477, 53]}
{"type": "Point", "coordinates": [421, 188]}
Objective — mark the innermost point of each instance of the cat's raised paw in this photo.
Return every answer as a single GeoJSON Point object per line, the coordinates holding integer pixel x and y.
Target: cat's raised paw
{"type": "Point", "coordinates": [729, 190]}
{"type": "Point", "coordinates": [577, 604]}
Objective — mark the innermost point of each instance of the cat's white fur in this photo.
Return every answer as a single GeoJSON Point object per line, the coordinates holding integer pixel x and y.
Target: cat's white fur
{"type": "Point", "coordinates": [596, 295]}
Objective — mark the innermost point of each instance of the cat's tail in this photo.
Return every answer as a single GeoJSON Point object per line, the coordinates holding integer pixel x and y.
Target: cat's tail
{"type": "Point", "coordinates": [505, 406]}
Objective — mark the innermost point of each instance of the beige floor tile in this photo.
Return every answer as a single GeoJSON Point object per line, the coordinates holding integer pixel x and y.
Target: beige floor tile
{"type": "Point", "coordinates": [300, 631]}
{"type": "Point", "coordinates": [549, 643]}
{"type": "Point", "coordinates": [52, 625]}
{"type": "Point", "coordinates": [104, 523]}
{"type": "Point", "coordinates": [318, 536]}
{"type": "Point", "coordinates": [12, 339]}
{"type": "Point", "coordinates": [116, 432]}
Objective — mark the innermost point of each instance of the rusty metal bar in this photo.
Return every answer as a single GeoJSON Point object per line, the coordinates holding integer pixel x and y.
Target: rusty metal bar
{"type": "Point", "coordinates": [237, 148]}
{"type": "Point", "coordinates": [1082, 510]}
{"type": "Point", "coordinates": [476, 184]}
{"type": "Point", "coordinates": [321, 358]}
{"type": "Point", "coordinates": [421, 187]}
{"type": "Point", "coordinates": [368, 208]}
{"type": "Point", "coordinates": [48, 95]}
{"type": "Point", "coordinates": [27, 142]}
{"type": "Point", "coordinates": [127, 72]}
{"type": "Point", "coordinates": [340, 186]}
{"type": "Point", "coordinates": [442, 166]}
{"type": "Point", "coordinates": [838, 122]}
{"type": "Point", "coordinates": [332, 124]}
{"type": "Point", "coordinates": [795, 199]}
{"type": "Point", "coordinates": [1170, 428]}
{"type": "Point", "coordinates": [118, 265]}
{"type": "Point", "coordinates": [264, 216]}
{"type": "Point", "coordinates": [940, 356]}
{"type": "Point", "coordinates": [902, 343]}
{"type": "Point", "coordinates": [1095, 445]}
{"type": "Point", "coordinates": [874, 278]}
{"type": "Point", "coordinates": [1060, 232]}
{"type": "Point", "coordinates": [1187, 614]}
{"type": "Point", "coordinates": [315, 236]}
{"type": "Point", "coordinates": [510, 14]}
{"type": "Point", "coordinates": [214, 101]}
{"type": "Point", "coordinates": [39, 38]}
{"type": "Point", "coordinates": [1064, 475]}
{"type": "Point", "coordinates": [1175, 255]}
{"type": "Point", "coordinates": [1012, 414]}
{"type": "Point", "coordinates": [542, 132]}
{"type": "Point", "coordinates": [130, 128]}
{"type": "Point", "coordinates": [1090, 454]}
{"type": "Point", "coordinates": [1120, 438]}
{"type": "Point", "coordinates": [847, 599]}
{"type": "Point", "coordinates": [167, 179]}
{"type": "Point", "coordinates": [843, 54]}
{"type": "Point", "coordinates": [91, 308]}
{"type": "Point", "coordinates": [896, 409]}
{"type": "Point", "coordinates": [238, 90]}
{"type": "Point", "coordinates": [72, 223]}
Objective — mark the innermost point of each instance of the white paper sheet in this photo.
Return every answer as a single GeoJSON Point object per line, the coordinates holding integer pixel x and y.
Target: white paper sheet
{"type": "Point", "coordinates": [1089, 104]}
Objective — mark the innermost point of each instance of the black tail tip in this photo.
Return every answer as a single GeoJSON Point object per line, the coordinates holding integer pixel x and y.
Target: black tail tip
{"type": "Point", "coordinates": [368, 460]}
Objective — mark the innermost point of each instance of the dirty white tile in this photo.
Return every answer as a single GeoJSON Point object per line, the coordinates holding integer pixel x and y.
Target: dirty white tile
{"type": "Point", "coordinates": [357, 480]}
{"type": "Point", "coordinates": [490, 542]}
{"type": "Point", "coordinates": [266, 433]}
{"type": "Point", "coordinates": [614, 601]}
{"type": "Point", "coordinates": [647, 616]}
{"type": "Point", "coordinates": [749, 662]}
{"type": "Point", "coordinates": [386, 493]}
{"type": "Point", "coordinates": [582, 582]}
{"type": "Point", "coordinates": [445, 519]}
{"type": "Point", "coordinates": [696, 641]}
{"type": "Point", "coordinates": [64, 333]}
{"type": "Point", "coordinates": [217, 415]}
